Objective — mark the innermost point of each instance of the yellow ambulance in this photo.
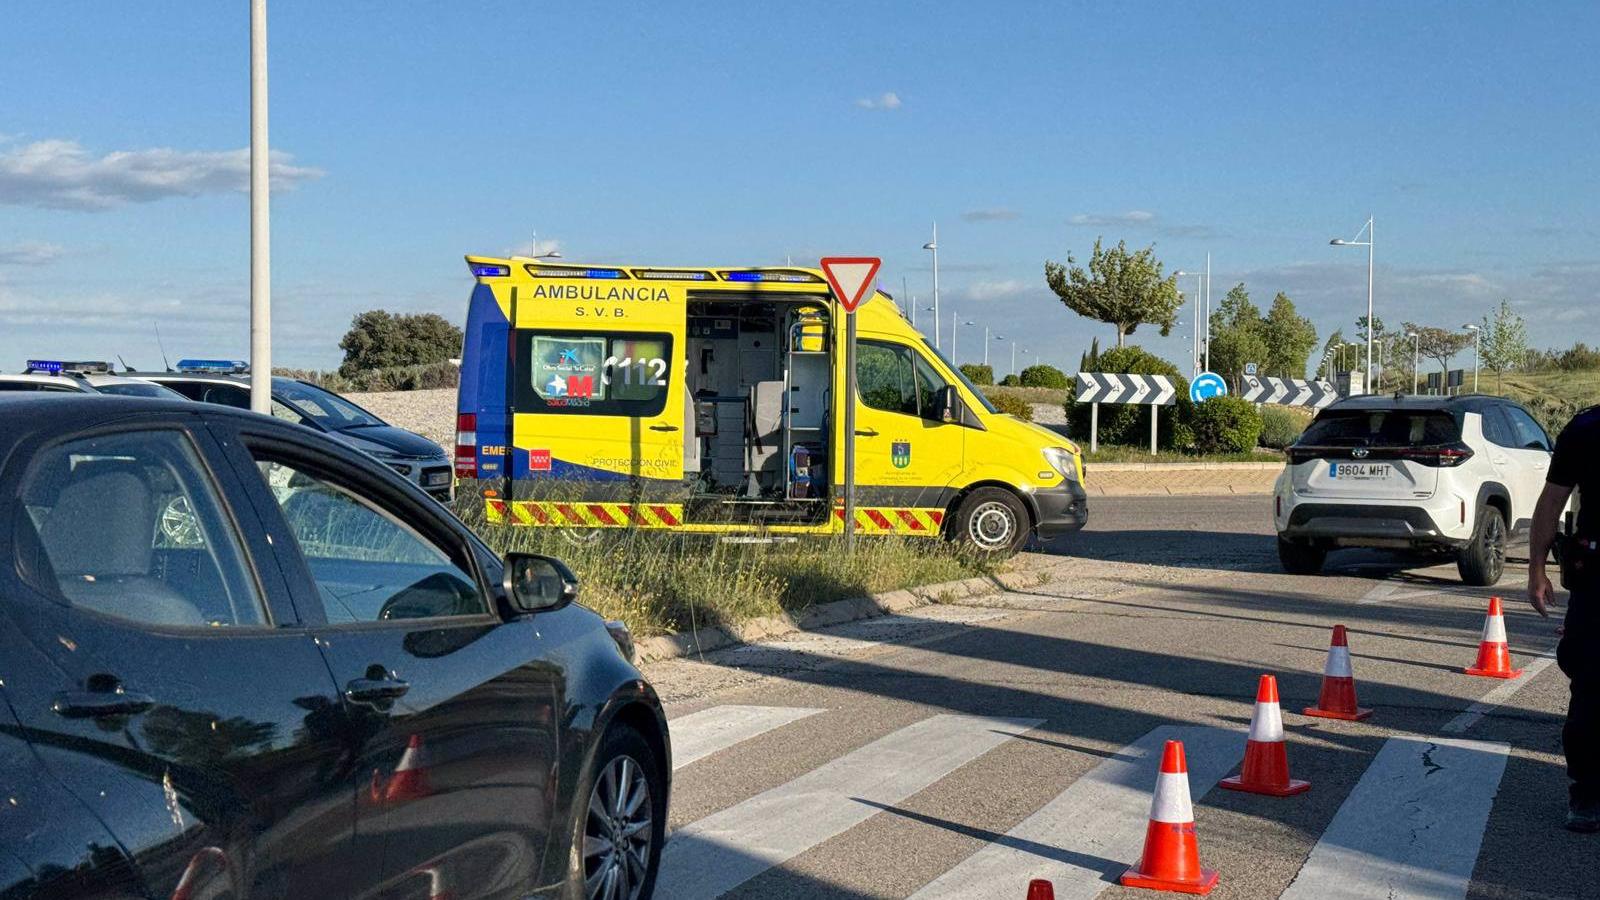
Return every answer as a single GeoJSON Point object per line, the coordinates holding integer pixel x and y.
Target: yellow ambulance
{"type": "Point", "coordinates": [711, 399]}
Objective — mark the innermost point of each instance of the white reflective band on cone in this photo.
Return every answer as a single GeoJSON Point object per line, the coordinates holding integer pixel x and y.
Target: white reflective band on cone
{"type": "Point", "coordinates": [1338, 663]}
{"type": "Point", "coordinates": [1266, 726]}
{"type": "Point", "coordinates": [1494, 629]}
{"type": "Point", "coordinates": [1171, 803]}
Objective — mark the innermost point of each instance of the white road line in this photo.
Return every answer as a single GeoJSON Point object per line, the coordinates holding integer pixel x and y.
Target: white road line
{"type": "Point", "coordinates": [1501, 693]}
{"type": "Point", "coordinates": [1085, 837]}
{"type": "Point", "coordinates": [1411, 828]}
{"type": "Point", "coordinates": [725, 849]}
{"type": "Point", "coordinates": [701, 734]}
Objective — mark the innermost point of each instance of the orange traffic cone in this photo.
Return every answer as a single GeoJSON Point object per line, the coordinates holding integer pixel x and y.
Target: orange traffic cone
{"type": "Point", "coordinates": [1266, 758]}
{"type": "Point", "coordinates": [1171, 860]}
{"type": "Point", "coordinates": [1494, 658]}
{"type": "Point", "coordinates": [1338, 697]}
{"type": "Point", "coordinates": [1039, 889]}
{"type": "Point", "coordinates": [410, 778]}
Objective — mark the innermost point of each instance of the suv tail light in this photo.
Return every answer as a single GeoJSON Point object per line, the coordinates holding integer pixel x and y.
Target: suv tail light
{"type": "Point", "coordinates": [1445, 456]}
{"type": "Point", "coordinates": [467, 445]}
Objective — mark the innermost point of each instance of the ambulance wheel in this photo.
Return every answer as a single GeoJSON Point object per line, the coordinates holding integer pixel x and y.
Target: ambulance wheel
{"type": "Point", "coordinates": [992, 521]}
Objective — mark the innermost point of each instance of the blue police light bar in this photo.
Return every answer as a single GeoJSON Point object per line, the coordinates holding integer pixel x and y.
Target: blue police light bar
{"type": "Point", "coordinates": [489, 270]}
{"type": "Point", "coordinates": [213, 366]}
{"type": "Point", "coordinates": [65, 367]}
{"type": "Point", "coordinates": [44, 366]}
{"type": "Point", "coordinates": [789, 277]}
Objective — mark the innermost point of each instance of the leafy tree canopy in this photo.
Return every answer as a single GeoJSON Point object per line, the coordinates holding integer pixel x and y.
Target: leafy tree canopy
{"type": "Point", "coordinates": [379, 339]}
{"type": "Point", "coordinates": [1123, 289]}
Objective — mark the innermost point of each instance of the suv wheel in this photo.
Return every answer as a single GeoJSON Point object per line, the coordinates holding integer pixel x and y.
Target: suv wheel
{"type": "Point", "coordinates": [992, 521]}
{"type": "Point", "coordinates": [621, 823]}
{"type": "Point", "coordinates": [1300, 558]}
{"type": "Point", "coordinates": [1483, 559]}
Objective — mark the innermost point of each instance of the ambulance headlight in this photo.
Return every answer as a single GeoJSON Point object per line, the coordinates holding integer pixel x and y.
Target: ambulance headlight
{"type": "Point", "coordinates": [1062, 461]}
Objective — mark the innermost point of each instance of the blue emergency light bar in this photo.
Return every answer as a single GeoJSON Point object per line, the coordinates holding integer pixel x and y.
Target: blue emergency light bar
{"type": "Point", "coordinates": [573, 272]}
{"type": "Point", "coordinates": [489, 270]}
{"type": "Point", "coordinates": [790, 277]}
{"type": "Point", "coordinates": [671, 275]}
{"type": "Point", "coordinates": [213, 366]}
{"type": "Point", "coordinates": [60, 367]}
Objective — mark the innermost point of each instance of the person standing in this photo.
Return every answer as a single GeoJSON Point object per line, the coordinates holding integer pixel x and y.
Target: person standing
{"type": "Point", "coordinates": [1576, 464]}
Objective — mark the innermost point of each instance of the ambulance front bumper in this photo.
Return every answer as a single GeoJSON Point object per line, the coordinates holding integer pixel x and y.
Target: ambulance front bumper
{"type": "Point", "coordinates": [1059, 510]}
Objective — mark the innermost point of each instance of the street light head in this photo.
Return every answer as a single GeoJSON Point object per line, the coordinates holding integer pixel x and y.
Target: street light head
{"type": "Point", "coordinates": [1338, 242]}
{"type": "Point", "coordinates": [931, 245]}
{"type": "Point", "coordinates": [1470, 327]}
{"type": "Point", "coordinates": [1411, 334]}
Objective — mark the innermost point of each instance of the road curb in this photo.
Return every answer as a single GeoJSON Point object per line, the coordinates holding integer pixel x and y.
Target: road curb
{"type": "Point", "coordinates": [683, 644]}
{"type": "Point", "coordinates": [1181, 479]}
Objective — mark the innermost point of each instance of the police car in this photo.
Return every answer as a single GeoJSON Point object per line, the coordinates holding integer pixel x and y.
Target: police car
{"type": "Point", "coordinates": [227, 382]}
{"type": "Point", "coordinates": [62, 376]}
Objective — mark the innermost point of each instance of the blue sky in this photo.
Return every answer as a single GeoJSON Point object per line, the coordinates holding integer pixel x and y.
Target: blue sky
{"type": "Point", "coordinates": [714, 133]}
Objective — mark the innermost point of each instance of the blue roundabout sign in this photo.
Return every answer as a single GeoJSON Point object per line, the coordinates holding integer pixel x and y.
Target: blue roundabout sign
{"type": "Point", "coordinates": [1207, 385]}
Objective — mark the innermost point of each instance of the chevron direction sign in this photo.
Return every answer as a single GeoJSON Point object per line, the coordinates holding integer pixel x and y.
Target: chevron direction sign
{"type": "Point", "coordinates": [1288, 391]}
{"type": "Point", "coordinates": [1146, 390]}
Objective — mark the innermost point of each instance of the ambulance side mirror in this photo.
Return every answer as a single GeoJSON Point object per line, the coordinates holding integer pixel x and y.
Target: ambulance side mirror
{"type": "Point", "coordinates": [947, 405]}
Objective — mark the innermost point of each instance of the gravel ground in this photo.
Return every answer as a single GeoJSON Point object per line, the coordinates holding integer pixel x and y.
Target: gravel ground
{"type": "Point", "coordinates": [431, 414]}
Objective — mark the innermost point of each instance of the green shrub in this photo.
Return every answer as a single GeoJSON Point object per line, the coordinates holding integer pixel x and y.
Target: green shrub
{"type": "Point", "coordinates": [1130, 424]}
{"type": "Point", "coordinates": [379, 339]}
{"type": "Point", "coordinates": [1044, 376]}
{"type": "Point", "coordinates": [1011, 381]}
{"type": "Point", "coordinates": [977, 374]}
{"type": "Point", "coordinates": [1014, 405]}
{"type": "Point", "coordinates": [1281, 425]}
{"type": "Point", "coordinates": [1225, 425]}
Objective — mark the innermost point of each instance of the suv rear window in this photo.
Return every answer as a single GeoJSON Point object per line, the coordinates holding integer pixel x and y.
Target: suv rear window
{"type": "Point", "coordinates": [1382, 428]}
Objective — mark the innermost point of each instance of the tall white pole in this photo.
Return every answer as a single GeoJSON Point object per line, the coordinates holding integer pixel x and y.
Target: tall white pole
{"type": "Point", "coordinates": [1208, 314]}
{"type": "Point", "coordinates": [1372, 240]}
{"type": "Point", "coordinates": [954, 321]}
{"type": "Point", "coordinates": [260, 218]}
{"type": "Point", "coordinates": [936, 285]}
{"type": "Point", "coordinates": [1416, 359]}
{"type": "Point", "coordinates": [1477, 342]}
{"type": "Point", "coordinates": [911, 303]}
{"type": "Point", "coordinates": [986, 346]}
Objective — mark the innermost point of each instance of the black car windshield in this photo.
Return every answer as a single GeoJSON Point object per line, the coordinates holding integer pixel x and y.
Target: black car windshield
{"type": "Point", "coordinates": [1381, 428]}
{"type": "Point", "coordinates": [961, 375]}
{"type": "Point", "coordinates": [323, 407]}
{"type": "Point", "coordinates": [140, 389]}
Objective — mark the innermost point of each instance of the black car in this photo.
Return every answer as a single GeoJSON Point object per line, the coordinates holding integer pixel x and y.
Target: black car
{"type": "Point", "coordinates": [241, 659]}
{"type": "Point", "coordinates": [419, 460]}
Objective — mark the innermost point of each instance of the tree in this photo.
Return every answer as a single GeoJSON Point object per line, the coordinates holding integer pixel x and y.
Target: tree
{"type": "Point", "coordinates": [1290, 338]}
{"type": "Point", "coordinates": [977, 374]}
{"type": "Point", "coordinates": [379, 339]}
{"type": "Point", "coordinates": [1123, 289]}
{"type": "Point", "coordinates": [1438, 344]}
{"type": "Point", "coordinates": [1090, 361]}
{"type": "Point", "coordinates": [1505, 341]}
{"type": "Point", "coordinates": [1379, 335]}
{"type": "Point", "coordinates": [1237, 333]}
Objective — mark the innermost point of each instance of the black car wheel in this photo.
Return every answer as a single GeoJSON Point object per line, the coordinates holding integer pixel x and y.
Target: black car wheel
{"type": "Point", "coordinates": [992, 521]}
{"type": "Point", "coordinates": [1483, 560]}
{"type": "Point", "coordinates": [618, 843]}
{"type": "Point", "coordinates": [1300, 558]}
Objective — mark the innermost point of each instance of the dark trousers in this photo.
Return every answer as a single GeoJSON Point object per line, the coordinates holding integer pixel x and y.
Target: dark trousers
{"type": "Point", "coordinates": [1578, 655]}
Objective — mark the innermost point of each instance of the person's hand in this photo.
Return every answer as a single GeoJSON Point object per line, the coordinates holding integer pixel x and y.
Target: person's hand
{"type": "Point", "coordinates": [1540, 591]}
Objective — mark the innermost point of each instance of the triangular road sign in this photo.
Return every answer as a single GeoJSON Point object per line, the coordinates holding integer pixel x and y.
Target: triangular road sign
{"type": "Point", "coordinates": [850, 277]}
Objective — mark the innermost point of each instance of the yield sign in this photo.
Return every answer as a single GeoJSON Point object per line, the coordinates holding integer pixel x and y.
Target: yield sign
{"type": "Point", "coordinates": [850, 277]}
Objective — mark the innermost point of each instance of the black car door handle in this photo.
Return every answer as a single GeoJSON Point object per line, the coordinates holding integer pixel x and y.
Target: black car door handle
{"type": "Point", "coordinates": [99, 704]}
{"type": "Point", "coordinates": [373, 690]}
{"type": "Point", "coordinates": [663, 428]}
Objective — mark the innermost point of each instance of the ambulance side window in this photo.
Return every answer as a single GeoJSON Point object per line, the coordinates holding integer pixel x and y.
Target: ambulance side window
{"type": "Point", "coordinates": [593, 373]}
{"type": "Point", "coordinates": [896, 378]}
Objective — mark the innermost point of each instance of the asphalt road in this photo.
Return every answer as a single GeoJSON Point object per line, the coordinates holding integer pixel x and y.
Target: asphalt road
{"type": "Point", "coordinates": [963, 749]}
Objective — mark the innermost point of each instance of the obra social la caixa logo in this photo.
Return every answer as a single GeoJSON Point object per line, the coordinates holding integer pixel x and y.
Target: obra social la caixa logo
{"type": "Point", "coordinates": [900, 454]}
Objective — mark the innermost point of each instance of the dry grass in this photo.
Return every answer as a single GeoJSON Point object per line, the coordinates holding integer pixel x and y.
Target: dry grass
{"type": "Point", "coordinates": [659, 582]}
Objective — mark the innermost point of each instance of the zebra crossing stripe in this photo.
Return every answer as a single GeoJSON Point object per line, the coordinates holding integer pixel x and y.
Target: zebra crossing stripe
{"type": "Point", "coordinates": [1411, 828]}
{"type": "Point", "coordinates": [725, 849]}
{"type": "Point", "coordinates": [703, 733]}
{"type": "Point", "coordinates": [1090, 832]}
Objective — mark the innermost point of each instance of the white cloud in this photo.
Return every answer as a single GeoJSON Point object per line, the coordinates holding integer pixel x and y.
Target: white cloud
{"type": "Point", "coordinates": [30, 253]}
{"type": "Point", "coordinates": [1113, 220]}
{"type": "Point", "coordinates": [993, 214]}
{"type": "Point", "coordinates": [886, 100]}
{"type": "Point", "coordinates": [985, 291]}
{"type": "Point", "coordinates": [58, 174]}
{"type": "Point", "coordinates": [528, 248]}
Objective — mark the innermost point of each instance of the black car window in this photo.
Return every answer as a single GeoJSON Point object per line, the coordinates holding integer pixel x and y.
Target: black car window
{"type": "Point", "coordinates": [368, 565]}
{"type": "Point", "coordinates": [1381, 428]}
{"type": "Point", "coordinates": [132, 526]}
{"type": "Point", "coordinates": [1529, 435]}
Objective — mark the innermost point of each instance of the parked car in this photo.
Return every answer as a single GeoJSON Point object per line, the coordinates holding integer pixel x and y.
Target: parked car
{"type": "Point", "coordinates": [1455, 474]}
{"type": "Point", "coordinates": [241, 659]}
{"type": "Point", "coordinates": [420, 460]}
{"type": "Point", "coordinates": [61, 376]}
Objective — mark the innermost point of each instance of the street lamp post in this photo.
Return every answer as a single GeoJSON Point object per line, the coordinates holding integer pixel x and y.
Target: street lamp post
{"type": "Point", "coordinates": [1340, 242]}
{"type": "Point", "coordinates": [1416, 345]}
{"type": "Point", "coordinates": [1477, 339]}
{"type": "Point", "coordinates": [1195, 348]}
{"type": "Point", "coordinates": [260, 218]}
{"type": "Point", "coordinates": [933, 245]}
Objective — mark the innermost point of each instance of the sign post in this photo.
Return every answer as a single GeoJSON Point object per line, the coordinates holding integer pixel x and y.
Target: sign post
{"type": "Point", "coordinates": [850, 277]}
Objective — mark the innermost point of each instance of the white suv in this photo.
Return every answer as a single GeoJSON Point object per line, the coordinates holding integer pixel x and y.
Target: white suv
{"type": "Point", "coordinates": [1459, 474]}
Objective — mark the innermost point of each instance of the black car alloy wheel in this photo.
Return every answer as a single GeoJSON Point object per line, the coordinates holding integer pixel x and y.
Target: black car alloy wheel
{"type": "Point", "coordinates": [617, 832]}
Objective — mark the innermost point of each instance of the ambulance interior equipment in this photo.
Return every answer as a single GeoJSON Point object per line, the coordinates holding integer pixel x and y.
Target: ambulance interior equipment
{"type": "Point", "coordinates": [759, 376]}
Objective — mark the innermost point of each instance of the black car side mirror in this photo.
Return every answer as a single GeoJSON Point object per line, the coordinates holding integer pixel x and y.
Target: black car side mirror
{"type": "Point", "coordinates": [535, 583]}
